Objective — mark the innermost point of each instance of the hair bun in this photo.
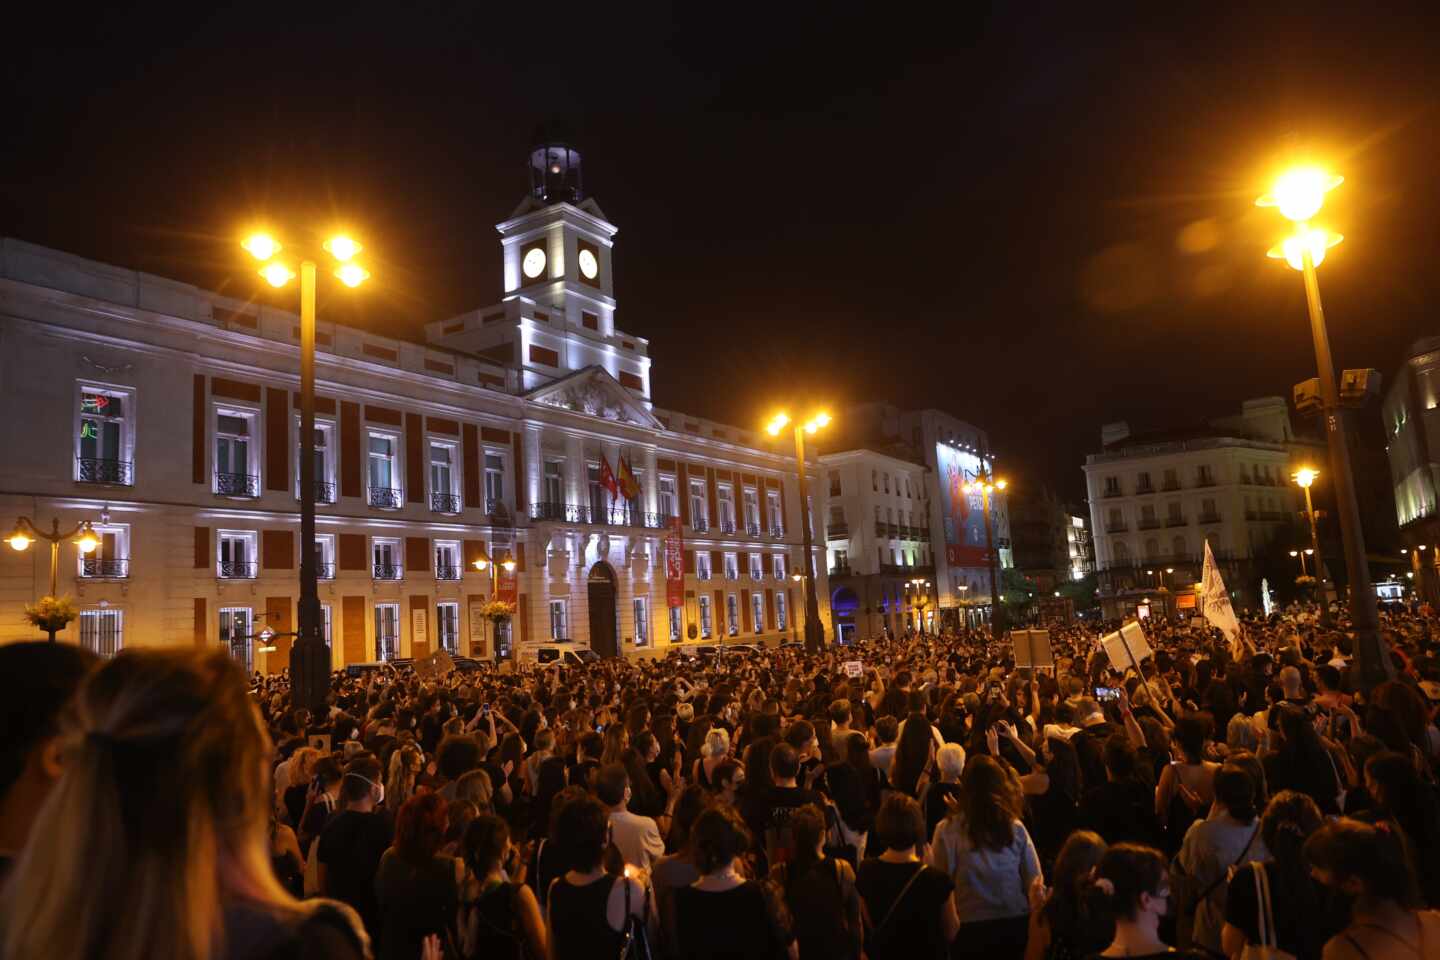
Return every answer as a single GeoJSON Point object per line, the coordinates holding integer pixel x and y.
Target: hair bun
{"type": "Point", "coordinates": [1104, 885]}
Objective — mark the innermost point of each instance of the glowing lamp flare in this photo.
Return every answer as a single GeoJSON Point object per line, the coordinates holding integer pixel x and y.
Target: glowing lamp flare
{"type": "Point", "coordinates": [508, 564]}
{"type": "Point", "coordinates": [776, 424]}
{"type": "Point", "coordinates": [261, 246]}
{"type": "Point", "coordinates": [87, 541]}
{"type": "Point", "coordinates": [277, 274]}
{"type": "Point", "coordinates": [1312, 240]}
{"type": "Point", "coordinates": [352, 274]}
{"type": "Point", "coordinates": [342, 248]}
{"type": "Point", "coordinates": [1300, 193]}
{"type": "Point", "coordinates": [481, 563]}
{"type": "Point", "coordinates": [19, 539]}
{"type": "Point", "coordinates": [1305, 476]}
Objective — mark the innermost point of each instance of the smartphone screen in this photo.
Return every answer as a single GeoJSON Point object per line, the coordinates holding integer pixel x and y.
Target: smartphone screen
{"type": "Point", "coordinates": [1107, 693]}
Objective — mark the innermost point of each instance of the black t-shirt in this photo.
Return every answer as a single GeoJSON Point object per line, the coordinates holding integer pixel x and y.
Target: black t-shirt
{"type": "Point", "coordinates": [1121, 811]}
{"type": "Point", "coordinates": [1298, 914]}
{"type": "Point", "coordinates": [780, 803]}
{"type": "Point", "coordinates": [913, 930]}
{"type": "Point", "coordinates": [739, 922]}
{"type": "Point", "coordinates": [351, 846]}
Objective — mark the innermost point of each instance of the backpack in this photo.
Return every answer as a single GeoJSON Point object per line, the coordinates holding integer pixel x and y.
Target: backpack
{"type": "Point", "coordinates": [480, 937]}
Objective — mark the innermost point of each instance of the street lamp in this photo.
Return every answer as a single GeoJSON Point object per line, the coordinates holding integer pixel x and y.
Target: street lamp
{"type": "Point", "coordinates": [309, 657]}
{"type": "Point", "coordinates": [1305, 478]}
{"type": "Point", "coordinates": [814, 632]}
{"type": "Point", "coordinates": [985, 484]}
{"type": "Point", "coordinates": [26, 532]}
{"type": "Point", "coordinates": [1302, 554]}
{"type": "Point", "coordinates": [1299, 194]}
{"type": "Point", "coordinates": [483, 563]}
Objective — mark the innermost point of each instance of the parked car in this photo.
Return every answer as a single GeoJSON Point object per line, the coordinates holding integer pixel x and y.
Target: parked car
{"type": "Point", "coordinates": [364, 669]}
{"type": "Point", "coordinates": [566, 652]}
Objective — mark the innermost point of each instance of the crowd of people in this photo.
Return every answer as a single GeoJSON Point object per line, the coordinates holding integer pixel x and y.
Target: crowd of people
{"type": "Point", "coordinates": [909, 797]}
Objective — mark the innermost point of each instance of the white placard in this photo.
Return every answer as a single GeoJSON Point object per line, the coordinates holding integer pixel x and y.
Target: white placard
{"type": "Point", "coordinates": [854, 668]}
{"type": "Point", "coordinates": [417, 628]}
{"type": "Point", "coordinates": [1032, 648]}
{"type": "Point", "coordinates": [1127, 647]}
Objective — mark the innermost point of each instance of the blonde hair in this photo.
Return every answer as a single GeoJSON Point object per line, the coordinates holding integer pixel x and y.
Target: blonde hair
{"type": "Point", "coordinates": [159, 819]}
{"type": "Point", "coordinates": [405, 764]}
{"type": "Point", "coordinates": [717, 743]}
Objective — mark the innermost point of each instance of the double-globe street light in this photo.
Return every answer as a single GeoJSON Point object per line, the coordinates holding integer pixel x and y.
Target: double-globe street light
{"type": "Point", "coordinates": [1305, 478]}
{"type": "Point", "coordinates": [986, 484]}
{"type": "Point", "coordinates": [814, 632]}
{"type": "Point", "coordinates": [483, 563]}
{"type": "Point", "coordinates": [1299, 194]}
{"type": "Point", "coordinates": [26, 532]}
{"type": "Point", "coordinates": [309, 656]}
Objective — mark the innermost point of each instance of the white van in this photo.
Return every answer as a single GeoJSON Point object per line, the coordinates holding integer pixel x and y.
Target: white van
{"type": "Point", "coordinates": [566, 652]}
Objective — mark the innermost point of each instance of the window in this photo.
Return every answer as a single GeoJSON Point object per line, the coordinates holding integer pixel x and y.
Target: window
{"type": "Point", "coordinates": [387, 631]}
{"type": "Point", "coordinates": [104, 440]}
{"type": "Point", "coordinates": [772, 507]}
{"type": "Point", "coordinates": [752, 511]}
{"type": "Point", "coordinates": [494, 482]}
{"type": "Point", "coordinates": [642, 622]}
{"type": "Point", "coordinates": [325, 556]}
{"type": "Point", "coordinates": [325, 628]}
{"type": "Point", "coordinates": [1147, 515]}
{"type": "Point", "coordinates": [732, 566]}
{"type": "Point", "coordinates": [725, 499]}
{"type": "Point", "coordinates": [444, 497]}
{"type": "Point", "coordinates": [668, 502]}
{"type": "Point", "coordinates": [237, 468]}
{"type": "Point", "coordinates": [384, 472]}
{"type": "Point", "coordinates": [907, 488]}
{"type": "Point", "coordinates": [677, 625]}
{"type": "Point", "coordinates": [780, 612]}
{"type": "Point", "coordinates": [385, 559]}
{"type": "Point", "coordinates": [778, 564]}
{"type": "Point", "coordinates": [842, 561]}
{"type": "Point", "coordinates": [1178, 548]}
{"type": "Point", "coordinates": [235, 559]}
{"type": "Point", "coordinates": [111, 559]}
{"type": "Point", "coordinates": [757, 567]}
{"type": "Point", "coordinates": [553, 485]}
{"type": "Point", "coordinates": [732, 614]}
{"type": "Point", "coordinates": [101, 631]}
{"type": "Point", "coordinates": [447, 560]}
{"type": "Point", "coordinates": [1172, 480]}
{"type": "Point", "coordinates": [599, 504]}
{"type": "Point", "coordinates": [1173, 514]}
{"type": "Point", "coordinates": [878, 517]}
{"type": "Point", "coordinates": [1208, 513]}
{"type": "Point", "coordinates": [705, 621]}
{"type": "Point", "coordinates": [321, 445]}
{"type": "Point", "coordinates": [559, 620]}
{"type": "Point", "coordinates": [447, 626]}
{"type": "Point", "coordinates": [1121, 551]}
{"type": "Point", "coordinates": [235, 625]}
{"type": "Point", "coordinates": [1204, 477]}
{"type": "Point", "coordinates": [1142, 482]}
{"type": "Point", "coordinates": [834, 483]}
{"type": "Point", "coordinates": [699, 508]}
{"type": "Point", "coordinates": [837, 515]}
{"type": "Point", "coordinates": [875, 481]}
{"type": "Point", "coordinates": [887, 483]}
{"type": "Point", "coordinates": [702, 565]}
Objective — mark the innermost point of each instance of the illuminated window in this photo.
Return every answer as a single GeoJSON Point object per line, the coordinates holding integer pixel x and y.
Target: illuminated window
{"type": "Point", "coordinates": [387, 631]}
{"type": "Point", "coordinates": [642, 622]}
{"type": "Point", "coordinates": [104, 439]}
{"type": "Point", "coordinates": [101, 630]}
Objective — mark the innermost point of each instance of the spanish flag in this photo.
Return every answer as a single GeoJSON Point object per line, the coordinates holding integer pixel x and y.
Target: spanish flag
{"type": "Point", "coordinates": [629, 486]}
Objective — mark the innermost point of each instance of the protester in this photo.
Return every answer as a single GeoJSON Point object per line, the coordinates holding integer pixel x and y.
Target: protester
{"type": "Point", "coordinates": [152, 841]}
{"type": "Point", "coordinates": [499, 917]}
{"type": "Point", "coordinates": [986, 851]}
{"type": "Point", "coordinates": [909, 908]}
{"type": "Point", "coordinates": [1069, 920]}
{"type": "Point", "coordinates": [587, 909]}
{"type": "Point", "coordinates": [354, 841]}
{"type": "Point", "coordinates": [1228, 837]}
{"type": "Point", "coordinates": [1296, 921]}
{"type": "Point", "coordinates": [820, 891]}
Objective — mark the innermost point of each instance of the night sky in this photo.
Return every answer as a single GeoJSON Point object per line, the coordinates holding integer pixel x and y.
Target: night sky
{"type": "Point", "coordinates": [1037, 219]}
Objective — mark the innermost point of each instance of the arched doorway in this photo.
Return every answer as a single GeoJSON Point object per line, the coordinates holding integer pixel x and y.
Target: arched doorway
{"type": "Point", "coordinates": [601, 591]}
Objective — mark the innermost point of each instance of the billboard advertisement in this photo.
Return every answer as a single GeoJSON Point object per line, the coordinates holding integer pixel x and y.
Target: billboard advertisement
{"type": "Point", "coordinates": [963, 517]}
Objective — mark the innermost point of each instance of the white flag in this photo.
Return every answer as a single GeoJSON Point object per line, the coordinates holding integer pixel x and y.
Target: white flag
{"type": "Point", "coordinates": [1216, 602]}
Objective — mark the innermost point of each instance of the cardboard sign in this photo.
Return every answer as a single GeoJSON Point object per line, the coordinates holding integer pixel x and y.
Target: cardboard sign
{"type": "Point", "coordinates": [1032, 648]}
{"type": "Point", "coordinates": [854, 668]}
{"type": "Point", "coordinates": [1126, 647]}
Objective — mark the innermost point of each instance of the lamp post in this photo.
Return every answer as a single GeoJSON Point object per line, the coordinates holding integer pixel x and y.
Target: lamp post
{"type": "Point", "coordinates": [985, 484]}
{"type": "Point", "coordinates": [794, 628]}
{"type": "Point", "coordinates": [26, 533]}
{"type": "Point", "coordinates": [1302, 554]}
{"type": "Point", "coordinates": [1299, 194]}
{"type": "Point", "coordinates": [483, 563]}
{"type": "Point", "coordinates": [309, 657]}
{"type": "Point", "coordinates": [1304, 478]}
{"type": "Point", "coordinates": [814, 632]}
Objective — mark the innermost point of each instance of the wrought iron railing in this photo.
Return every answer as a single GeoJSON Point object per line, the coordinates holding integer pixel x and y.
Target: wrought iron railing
{"type": "Point", "coordinates": [445, 571]}
{"type": "Point", "coordinates": [325, 571]}
{"type": "Point", "coordinates": [752, 528]}
{"type": "Point", "coordinates": [324, 492]}
{"type": "Point", "coordinates": [837, 531]}
{"type": "Point", "coordinates": [105, 567]}
{"type": "Point", "coordinates": [727, 526]}
{"type": "Point", "coordinates": [445, 503]}
{"type": "Point", "coordinates": [562, 512]}
{"type": "Point", "coordinates": [388, 571]}
{"type": "Point", "coordinates": [840, 571]}
{"type": "Point", "coordinates": [386, 498]}
{"type": "Point", "coordinates": [699, 524]}
{"type": "Point", "coordinates": [237, 485]}
{"type": "Point", "coordinates": [236, 569]}
{"type": "Point", "coordinates": [98, 470]}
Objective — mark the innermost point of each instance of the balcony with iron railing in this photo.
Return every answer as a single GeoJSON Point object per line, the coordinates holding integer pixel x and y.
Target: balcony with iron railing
{"type": "Point", "coordinates": [325, 571]}
{"type": "Point", "coordinates": [777, 532]}
{"type": "Point", "coordinates": [105, 568]}
{"type": "Point", "coordinates": [386, 498]}
{"type": "Point", "coordinates": [1148, 523]}
{"type": "Point", "coordinates": [445, 503]}
{"type": "Point", "coordinates": [447, 571]}
{"type": "Point", "coordinates": [840, 571]}
{"type": "Point", "coordinates": [242, 485]}
{"type": "Point", "coordinates": [236, 569]}
{"type": "Point", "coordinates": [699, 524]}
{"type": "Point", "coordinates": [496, 507]}
{"type": "Point", "coordinates": [1170, 485]}
{"type": "Point", "coordinates": [1112, 492]}
{"type": "Point", "coordinates": [1145, 487]}
{"type": "Point", "coordinates": [324, 492]}
{"type": "Point", "coordinates": [727, 525]}
{"type": "Point", "coordinates": [388, 571]}
{"type": "Point", "coordinates": [1176, 522]}
{"type": "Point", "coordinates": [1116, 526]}
{"type": "Point", "coordinates": [100, 470]}
{"type": "Point", "coordinates": [752, 528]}
{"type": "Point", "coordinates": [559, 512]}
{"type": "Point", "coordinates": [837, 531]}
{"type": "Point", "coordinates": [1206, 481]}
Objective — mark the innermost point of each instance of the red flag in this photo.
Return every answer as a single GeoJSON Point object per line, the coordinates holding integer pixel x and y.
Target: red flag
{"type": "Point", "coordinates": [607, 477]}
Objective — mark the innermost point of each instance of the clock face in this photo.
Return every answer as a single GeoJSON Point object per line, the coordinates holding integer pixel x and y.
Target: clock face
{"type": "Point", "coordinates": [589, 267]}
{"type": "Point", "coordinates": [534, 263]}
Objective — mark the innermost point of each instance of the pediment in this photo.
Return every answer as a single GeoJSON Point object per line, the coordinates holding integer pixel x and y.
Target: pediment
{"type": "Point", "coordinates": [595, 393]}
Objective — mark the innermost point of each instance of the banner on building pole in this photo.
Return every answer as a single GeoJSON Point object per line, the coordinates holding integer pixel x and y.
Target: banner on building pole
{"type": "Point", "coordinates": [674, 565]}
{"type": "Point", "coordinates": [1215, 601]}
